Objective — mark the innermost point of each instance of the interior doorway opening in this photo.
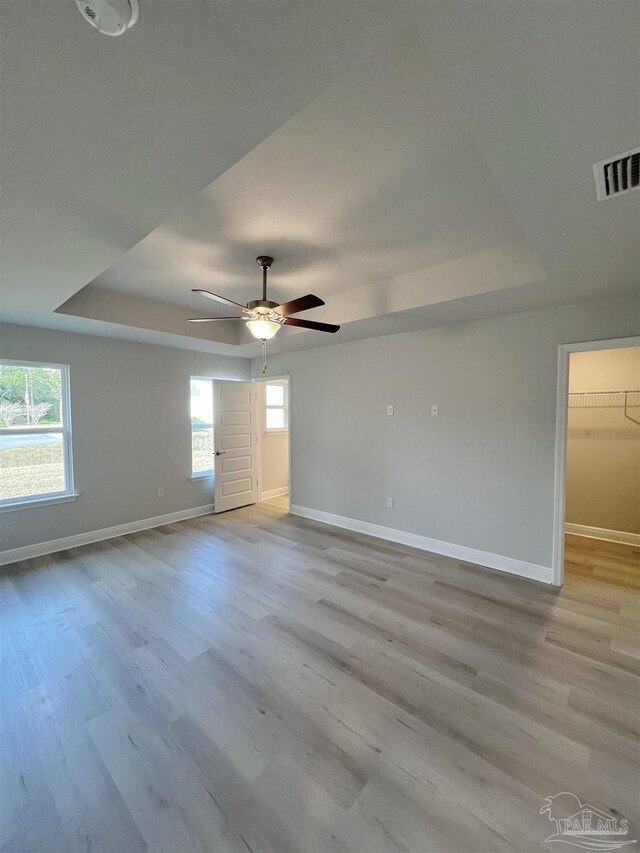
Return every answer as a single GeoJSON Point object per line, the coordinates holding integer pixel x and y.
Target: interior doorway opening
{"type": "Point", "coordinates": [274, 439]}
{"type": "Point", "coordinates": [597, 501]}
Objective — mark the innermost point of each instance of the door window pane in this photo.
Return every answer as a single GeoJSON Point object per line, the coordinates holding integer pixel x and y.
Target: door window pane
{"type": "Point", "coordinates": [275, 419]}
{"type": "Point", "coordinates": [201, 426]}
{"type": "Point", "coordinates": [275, 406]}
{"type": "Point", "coordinates": [275, 395]}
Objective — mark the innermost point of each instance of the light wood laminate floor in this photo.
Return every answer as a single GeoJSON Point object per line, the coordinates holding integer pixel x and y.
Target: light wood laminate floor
{"type": "Point", "coordinates": [596, 560]}
{"type": "Point", "coordinates": [258, 682]}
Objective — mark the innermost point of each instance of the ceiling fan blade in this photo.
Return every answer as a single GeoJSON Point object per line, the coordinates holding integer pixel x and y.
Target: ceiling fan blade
{"type": "Point", "coordinates": [212, 319]}
{"type": "Point", "coordinates": [223, 299]}
{"type": "Point", "coordinates": [310, 324]}
{"type": "Point", "coordinates": [301, 304]}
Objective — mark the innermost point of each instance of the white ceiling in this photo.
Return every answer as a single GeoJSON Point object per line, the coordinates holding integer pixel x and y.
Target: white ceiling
{"type": "Point", "coordinates": [375, 178]}
{"type": "Point", "coordinates": [409, 163]}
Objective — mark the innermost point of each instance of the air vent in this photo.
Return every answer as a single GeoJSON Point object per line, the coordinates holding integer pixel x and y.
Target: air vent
{"type": "Point", "coordinates": [617, 175]}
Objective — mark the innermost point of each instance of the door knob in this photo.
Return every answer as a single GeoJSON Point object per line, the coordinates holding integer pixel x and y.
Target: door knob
{"type": "Point", "coordinates": [220, 452]}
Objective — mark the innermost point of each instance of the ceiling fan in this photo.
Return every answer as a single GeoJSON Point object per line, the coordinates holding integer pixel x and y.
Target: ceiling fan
{"type": "Point", "coordinates": [263, 318]}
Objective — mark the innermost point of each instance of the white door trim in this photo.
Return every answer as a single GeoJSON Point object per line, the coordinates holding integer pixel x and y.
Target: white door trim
{"type": "Point", "coordinates": [262, 496]}
{"type": "Point", "coordinates": [562, 409]}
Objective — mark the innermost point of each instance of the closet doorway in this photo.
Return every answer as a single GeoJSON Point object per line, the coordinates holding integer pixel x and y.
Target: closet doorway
{"type": "Point", "coordinates": [597, 524]}
{"type": "Point", "coordinates": [274, 439]}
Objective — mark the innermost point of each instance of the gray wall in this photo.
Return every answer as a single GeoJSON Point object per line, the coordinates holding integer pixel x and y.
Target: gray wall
{"type": "Point", "coordinates": [481, 474]}
{"type": "Point", "coordinates": [603, 447]}
{"type": "Point", "coordinates": [131, 430]}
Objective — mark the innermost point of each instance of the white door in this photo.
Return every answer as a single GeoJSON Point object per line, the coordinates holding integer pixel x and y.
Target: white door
{"type": "Point", "coordinates": [234, 433]}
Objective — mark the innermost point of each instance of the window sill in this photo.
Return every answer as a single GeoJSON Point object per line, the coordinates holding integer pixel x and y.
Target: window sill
{"type": "Point", "coordinates": [202, 475]}
{"type": "Point", "coordinates": [37, 502]}
{"type": "Point", "coordinates": [276, 431]}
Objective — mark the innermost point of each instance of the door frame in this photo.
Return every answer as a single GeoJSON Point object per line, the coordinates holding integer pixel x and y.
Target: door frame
{"type": "Point", "coordinates": [562, 418]}
{"type": "Point", "coordinates": [263, 379]}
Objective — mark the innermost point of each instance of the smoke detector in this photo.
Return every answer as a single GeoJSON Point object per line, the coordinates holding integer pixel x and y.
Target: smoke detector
{"type": "Point", "coordinates": [109, 17]}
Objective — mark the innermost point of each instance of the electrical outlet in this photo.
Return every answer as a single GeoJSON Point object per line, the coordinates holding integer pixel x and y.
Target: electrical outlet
{"type": "Point", "coordinates": [434, 411]}
{"type": "Point", "coordinates": [389, 410]}
{"type": "Point", "coordinates": [160, 492]}
{"type": "Point", "coordinates": [389, 503]}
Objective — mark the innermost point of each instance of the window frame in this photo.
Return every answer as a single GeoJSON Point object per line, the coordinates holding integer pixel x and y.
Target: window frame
{"type": "Point", "coordinates": [200, 475]}
{"type": "Point", "coordinates": [285, 407]}
{"type": "Point", "coordinates": [68, 493]}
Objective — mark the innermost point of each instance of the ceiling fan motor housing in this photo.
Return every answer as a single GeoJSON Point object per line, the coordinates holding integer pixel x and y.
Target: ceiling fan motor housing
{"type": "Point", "coordinates": [262, 306]}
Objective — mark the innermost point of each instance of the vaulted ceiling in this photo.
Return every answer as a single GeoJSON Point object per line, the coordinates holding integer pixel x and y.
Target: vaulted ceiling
{"type": "Point", "coordinates": [411, 163]}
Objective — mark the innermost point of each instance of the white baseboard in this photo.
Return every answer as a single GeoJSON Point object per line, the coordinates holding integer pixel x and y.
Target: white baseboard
{"type": "Point", "coordinates": [40, 549]}
{"type": "Point", "coordinates": [274, 493]}
{"type": "Point", "coordinates": [544, 574]}
{"type": "Point", "coordinates": [619, 536]}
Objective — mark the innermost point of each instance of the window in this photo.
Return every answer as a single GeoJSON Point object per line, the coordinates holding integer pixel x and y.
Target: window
{"type": "Point", "coordinates": [201, 427]}
{"type": "Point", "coordinates": [35, 434]}
{"type": "Point", "coordinates": [275, 407]}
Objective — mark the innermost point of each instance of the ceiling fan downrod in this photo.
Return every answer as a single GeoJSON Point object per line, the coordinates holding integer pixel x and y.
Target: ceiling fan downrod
{"type": "Point", "coordinates": [264, 261]}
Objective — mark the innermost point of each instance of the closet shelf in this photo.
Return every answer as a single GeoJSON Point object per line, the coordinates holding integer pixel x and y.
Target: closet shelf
{"type": "Point", "coordinates": [624, 399]}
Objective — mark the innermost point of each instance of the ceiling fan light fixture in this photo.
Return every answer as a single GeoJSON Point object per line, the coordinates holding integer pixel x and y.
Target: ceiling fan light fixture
{"type": "Point", "coordinates": [263, 330]}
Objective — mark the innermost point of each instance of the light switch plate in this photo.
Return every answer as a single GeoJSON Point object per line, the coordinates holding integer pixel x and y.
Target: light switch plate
{"type": "Point", "coordinates": [389, 410]}
{"type": "Point", "coordinates": [434, 411]}
{"type": "Point", "coordinates": [389, 503]}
